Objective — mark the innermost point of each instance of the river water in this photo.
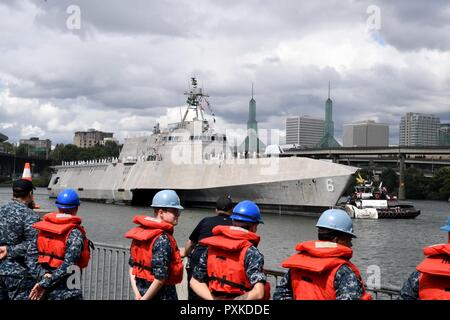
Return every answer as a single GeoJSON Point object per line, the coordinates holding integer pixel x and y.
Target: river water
{"type": "Point", "coordinates": [395, 246]}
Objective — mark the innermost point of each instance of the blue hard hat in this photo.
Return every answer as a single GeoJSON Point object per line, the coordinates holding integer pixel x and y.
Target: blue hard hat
{"type": "Point", "coordinates": [67, 199]}
{"type": "Point", "coordinates": [336, 219]}
{"type": "Point", "coordinates": [447, 227]}
{"type": "Point", "coordinates": [246, 211]}
{"type": "Point", "coordinates": [166, 199]}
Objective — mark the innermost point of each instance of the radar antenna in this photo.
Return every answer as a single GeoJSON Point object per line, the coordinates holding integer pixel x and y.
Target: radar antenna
{"type": "Point", "coordinates": [196, 101]}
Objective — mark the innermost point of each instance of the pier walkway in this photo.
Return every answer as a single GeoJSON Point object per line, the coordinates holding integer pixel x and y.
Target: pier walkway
{"type": "Point", "coordinates": [106, 277]}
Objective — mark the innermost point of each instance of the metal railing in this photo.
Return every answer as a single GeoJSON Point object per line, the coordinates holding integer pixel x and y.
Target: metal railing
{"type": "Point", "coordinates": [107, 277]}
{"type": "Point", "coordinates": [382, 293]}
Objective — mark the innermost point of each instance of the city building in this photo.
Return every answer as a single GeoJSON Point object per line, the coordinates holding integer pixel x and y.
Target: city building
{"type": "Point", "coordinates": [252, 143]}
{"type": "Point", "coordinates": [90, 138]}
{"type": "Point", "coordinates": [366, 134]}
{"type": "Point", "coordinates": [328, 140]}
{"type": "Point", "coordinates": [104, 141]}
{"type": "Point", "coordinates": [444, 134]}
{"type": "Point", "coordinates": [36, 147]}
{"type": "Point", "coordinates": [3, 138]}
{"type": "Point", "coordinates": [419, 129]}
{"type": "Point", "coordinates": [304, 131]}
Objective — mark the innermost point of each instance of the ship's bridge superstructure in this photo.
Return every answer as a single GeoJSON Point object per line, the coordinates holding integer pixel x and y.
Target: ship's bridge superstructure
{"type": "Point", "coordinates": [187, 140]}
{"type": "Point", "coordinates": [184, 142]}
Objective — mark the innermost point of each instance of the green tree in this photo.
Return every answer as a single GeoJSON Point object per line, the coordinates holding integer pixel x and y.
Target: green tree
{"type": "Point", "coordinates": [416, 185]}
{"type": "Point", "coordinates": [440, 184]}
{"type": "Point", "coordinates": [7, 147]}
{"type": "Point", "coordinates": [63, 152]}
{"type": "Point", "coordinates": [22, 150]}
{"type": "Point", "coordinates": [71, 152]}
{"type": "Point", "coordinates": [390, 180]}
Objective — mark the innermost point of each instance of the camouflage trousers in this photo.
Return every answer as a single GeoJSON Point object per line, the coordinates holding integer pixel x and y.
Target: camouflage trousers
{"type": "Point", "coordinates": [15, 287]}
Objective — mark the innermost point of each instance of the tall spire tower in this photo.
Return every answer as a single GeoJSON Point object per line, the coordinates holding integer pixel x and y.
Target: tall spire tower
{"type": "Point", "coordinates": [328, 140]}
{"type": "Point", "coordinates": [252, 143]}
{"type": "Point", "coordinates": [251, 122]}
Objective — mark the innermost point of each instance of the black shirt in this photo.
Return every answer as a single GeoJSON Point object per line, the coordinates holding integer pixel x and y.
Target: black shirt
{"type": "Point", "coordinates": [204, 230]}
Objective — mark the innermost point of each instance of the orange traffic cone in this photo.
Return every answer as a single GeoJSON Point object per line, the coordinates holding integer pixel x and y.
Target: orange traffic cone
{"type": "Point", "coordinates": [27, 176]}
{"type": "Point", "coordinates": [27, 172]}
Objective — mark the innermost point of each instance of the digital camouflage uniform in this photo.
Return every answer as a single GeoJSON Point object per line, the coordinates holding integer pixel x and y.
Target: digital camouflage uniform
{"type": "Point", "coordinates": [18, 270]}
{"type": "Point", "coordinates": [345, 282]}
{"type": "Point", "coordinates": [410, 289]}
{"type": "Point", "coordinates": [161, 257]}
{"type": "Point", "coordinates": [253, 263]}
{"type": "Point", "coordinates": [56, 285]}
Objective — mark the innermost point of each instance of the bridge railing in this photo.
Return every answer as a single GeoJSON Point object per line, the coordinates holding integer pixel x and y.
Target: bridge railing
{"type": "Point", "coordinates": [107, 277]}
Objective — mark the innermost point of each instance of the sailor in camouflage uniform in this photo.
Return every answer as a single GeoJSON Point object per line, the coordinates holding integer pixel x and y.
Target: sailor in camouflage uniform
{"type": "Point", "coordinates": [410, 289]}
{"type": "Point", "coordinates": [347, 286]}
{"type": "Point", "coordinates": [18, 252]}
{"type": "Point", "coordinates": [161, 258]}
{"type": "Point", "coordinates": [224, 270]}
{"type": "Point", "coordinates": [63, 250]}
{"type": "Point", "coordinates": [321, 270]}
{"type": "Point", "coordinates": [431, 280]}
{"type": "Point", "coordinates": [155, 260]}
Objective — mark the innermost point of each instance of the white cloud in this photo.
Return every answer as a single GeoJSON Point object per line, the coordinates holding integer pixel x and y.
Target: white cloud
{"type": "Point", "coordinates": [31, 131]}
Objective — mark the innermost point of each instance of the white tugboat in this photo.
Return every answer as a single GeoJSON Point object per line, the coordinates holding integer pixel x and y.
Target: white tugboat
{"type": "Point", "coordinates": [197, 162]}
{"type": "Point", "coordinates": [370, 202]}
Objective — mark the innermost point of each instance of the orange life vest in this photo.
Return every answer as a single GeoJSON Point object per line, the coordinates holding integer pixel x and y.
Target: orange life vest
{"type": "Point", "coordinates": [144, 237]}
{"type": "Point", "coordinates": [52, 237]}
{"type": "Point", "coordinates": [434, 279]}
{"type": "Point", "coordinates": [226, 260]}
{"type": "Point", "coordinates": [314, 267]}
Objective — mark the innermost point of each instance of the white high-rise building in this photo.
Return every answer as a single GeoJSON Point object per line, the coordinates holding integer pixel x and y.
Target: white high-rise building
{"type": "Point", "coordinates": [366, 134]}
{"type": "Point", "coordinates": [419, 129]}
{"type": "Point", "coordinates": [305, 131]}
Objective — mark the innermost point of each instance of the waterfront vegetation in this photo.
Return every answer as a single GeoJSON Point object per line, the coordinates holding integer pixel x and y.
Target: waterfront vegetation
{"type": "Point", "coordinates": [60, 153]}
{"type": "Point", "coordinates": [70, 152]}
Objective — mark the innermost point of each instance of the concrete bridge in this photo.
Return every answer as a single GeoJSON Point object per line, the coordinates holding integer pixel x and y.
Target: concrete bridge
{"type": "Point", "coordinates": [365, 151]}
{"type": "Point", "coordinates": [12, 165]}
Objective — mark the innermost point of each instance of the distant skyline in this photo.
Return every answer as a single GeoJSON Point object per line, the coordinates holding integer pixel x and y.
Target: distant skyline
{"type": "Point", "coordinates": [130, 62]}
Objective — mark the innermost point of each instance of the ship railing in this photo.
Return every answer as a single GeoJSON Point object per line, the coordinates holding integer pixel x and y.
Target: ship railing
{"type": "Point", "coordinates": [107, 277]}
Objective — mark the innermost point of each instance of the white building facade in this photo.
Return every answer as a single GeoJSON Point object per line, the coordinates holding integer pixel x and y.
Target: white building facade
{"type": "Point", "coordinates": [366, 134]}
{"type": "Point", "coordinates": [419, 129]}
{"type": "Point", "coordinates": [305, 131]}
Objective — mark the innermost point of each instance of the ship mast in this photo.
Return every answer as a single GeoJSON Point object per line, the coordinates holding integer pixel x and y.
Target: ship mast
{"type": "Point", "coordinates": [194, 101]}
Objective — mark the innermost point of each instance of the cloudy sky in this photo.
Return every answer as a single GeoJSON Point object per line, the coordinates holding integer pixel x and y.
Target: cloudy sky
{"type": "Point", "coordinates": [129, 63]}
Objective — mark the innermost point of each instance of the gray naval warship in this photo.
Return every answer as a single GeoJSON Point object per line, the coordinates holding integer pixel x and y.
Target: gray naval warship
{"type": "Point", "coordinates": [192, 158]}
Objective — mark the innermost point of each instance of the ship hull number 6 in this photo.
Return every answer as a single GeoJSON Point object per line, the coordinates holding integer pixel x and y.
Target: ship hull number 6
{"type": "Point", "coordinates": [330, 185]}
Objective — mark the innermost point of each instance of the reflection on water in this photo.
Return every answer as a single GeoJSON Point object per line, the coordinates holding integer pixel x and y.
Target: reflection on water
{"type": "Point", "coordinates": [393, 245]}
